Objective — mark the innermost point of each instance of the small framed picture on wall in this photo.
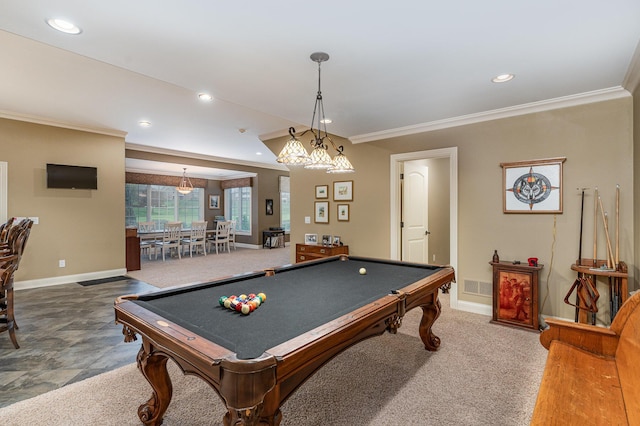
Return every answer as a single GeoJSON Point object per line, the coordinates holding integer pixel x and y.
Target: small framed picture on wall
{"type": "Point", "coordinates": [322, 191]}
{"type": "Point", "coordinates": [343, 191]}
{"type": "Point", "coordinates": [343, 212]}
{"type": "Point", "coordinates": [322, 212]}
{"type": "Point", "coordinates": [214, 202]}
{"type": "Point", "coordinates": [269, 207]}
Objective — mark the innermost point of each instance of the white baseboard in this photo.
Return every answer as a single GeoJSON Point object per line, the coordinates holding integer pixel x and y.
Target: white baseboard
{"type": "Point", "coordinates": [67, 279]}
{"type": "Point", "coordinates": [476, 308]}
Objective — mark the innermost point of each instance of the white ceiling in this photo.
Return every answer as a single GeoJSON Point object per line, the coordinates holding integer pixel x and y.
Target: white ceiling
{"type": "Point", "coordinates": [393, 64]}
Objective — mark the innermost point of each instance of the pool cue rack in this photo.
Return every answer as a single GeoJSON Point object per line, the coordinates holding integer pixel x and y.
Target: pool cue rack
{"type": "Point", "coordinates": [617, 280]}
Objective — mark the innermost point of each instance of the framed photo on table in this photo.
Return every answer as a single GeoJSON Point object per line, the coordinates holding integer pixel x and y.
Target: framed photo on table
{"type": "Point", "coordinates": [321, 212]}
{"type": "Point", "coordinates": [532, 186]}
{"type": "Point", "coordinates": [343, 190]}
{"type": "Point", "coordinates": [311, 238]}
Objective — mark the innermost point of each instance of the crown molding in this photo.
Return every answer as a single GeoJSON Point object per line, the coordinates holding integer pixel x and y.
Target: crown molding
{"type": "Point", "coordinates": [176, 153]}
{"type": "Point", "coordinates": [546, 105]}
{"type": "Point", "coordinates": [54, 123]}
{"type": "Point", "coordinates": [632, 78]}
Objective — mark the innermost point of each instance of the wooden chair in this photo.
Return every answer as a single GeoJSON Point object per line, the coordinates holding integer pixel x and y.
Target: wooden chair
{"type": "Point", "coordinates": [4, 230]}
{"type": "Point", "coordinates": [7, 319]}
{"type": "Point", "coordinates": [232, 233]}
{"type": "Point", "coordinates": [147, 243]}
{"type": "Point", "coordinates": [10, 257]}
{"type": "Point", "coordinates": [221, 236]}
{"type": "Point", "coordinates": [170, 239]}
{"type": "Point", "coordinates": [17, 237]}
{"type": "Point", "coordinates": [197, 238]}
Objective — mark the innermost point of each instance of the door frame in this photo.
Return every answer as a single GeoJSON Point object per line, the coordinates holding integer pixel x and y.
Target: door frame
{"type": "Point", "coordinates": [395, 205]}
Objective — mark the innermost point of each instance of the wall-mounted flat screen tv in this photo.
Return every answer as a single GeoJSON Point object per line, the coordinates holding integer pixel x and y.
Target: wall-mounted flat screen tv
{"type": "Point", "coordinates": [73, 177]}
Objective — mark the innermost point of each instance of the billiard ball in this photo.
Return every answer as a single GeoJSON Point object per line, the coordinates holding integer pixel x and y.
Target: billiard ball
{"type": "Point", "coordinates": [263, 297]}
{"type": "Point", "coordinates": [222, 299]}
{"type": "Point", "coordinates": [227, 303]}
{"type": "Point", "coordinates": [363, 271]}
{"type": "Point", "coordinates": [245, 309]}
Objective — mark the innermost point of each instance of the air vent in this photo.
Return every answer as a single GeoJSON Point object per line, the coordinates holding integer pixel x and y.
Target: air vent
{"type": "Point", "coordinates": [478, 288]}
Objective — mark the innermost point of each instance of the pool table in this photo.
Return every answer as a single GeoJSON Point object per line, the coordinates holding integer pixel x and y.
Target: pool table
{"type": "Point", "coordinates": [312, 312]}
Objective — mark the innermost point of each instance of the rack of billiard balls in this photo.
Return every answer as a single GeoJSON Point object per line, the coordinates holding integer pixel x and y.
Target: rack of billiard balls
{"type": "Point", "coordinates": [245, 304]}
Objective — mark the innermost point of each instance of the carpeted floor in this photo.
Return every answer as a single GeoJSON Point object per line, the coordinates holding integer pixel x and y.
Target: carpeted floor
{"type": "Point", "coordinates": [200, 268]}
{"type": "Point", "coordinates": [483, 374]}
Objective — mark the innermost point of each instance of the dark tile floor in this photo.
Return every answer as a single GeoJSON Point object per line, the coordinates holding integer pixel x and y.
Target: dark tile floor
{"type": "Point", "coordinates": [67, 333]}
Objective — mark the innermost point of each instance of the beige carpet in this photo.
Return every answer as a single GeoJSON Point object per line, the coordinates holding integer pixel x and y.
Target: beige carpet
{"type": "Point", "coordinates": [174, 271]}
{"type": "Point", "coordinates": [483, 374]}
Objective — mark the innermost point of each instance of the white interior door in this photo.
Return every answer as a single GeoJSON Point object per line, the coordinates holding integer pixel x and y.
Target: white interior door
{"type": "Point", "coordinates": [415, 212]}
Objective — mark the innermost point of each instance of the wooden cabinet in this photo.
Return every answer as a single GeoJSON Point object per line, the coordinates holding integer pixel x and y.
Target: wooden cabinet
{"type": "Point", "coordinates": [515, 294]}
{"type": "Point", "coordinates": [132, 249]}
{"type": "Point", "coordinates": [306, 252]}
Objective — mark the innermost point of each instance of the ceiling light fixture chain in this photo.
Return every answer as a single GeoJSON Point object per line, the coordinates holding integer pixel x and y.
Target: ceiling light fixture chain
{"type": "Point", "coordinates": [185, 186]}
{"type": "Point", "coordinates": [295, 154]}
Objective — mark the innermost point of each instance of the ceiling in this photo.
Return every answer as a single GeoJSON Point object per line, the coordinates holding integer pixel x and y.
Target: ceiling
{"type": "Point", "coordinates": [399, 65]}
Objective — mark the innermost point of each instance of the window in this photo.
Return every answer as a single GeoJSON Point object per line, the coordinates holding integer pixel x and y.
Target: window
{"type": "Point", "coordinates": [161, 204]}
{"type": "Point", "coordinates": [237, 206]}
{"type": "Point", "coordinates": [285, 204]}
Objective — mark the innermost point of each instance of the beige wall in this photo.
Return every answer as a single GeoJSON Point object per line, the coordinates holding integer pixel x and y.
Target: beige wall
{"type": "Point", "coordinates": [636, 165]}
{"type": "Point", "coordinates": [439, 241]}
{"type": "Point", "coordinates": [83, 227]}
{"type": "Point", "coordinates": [595, 138]}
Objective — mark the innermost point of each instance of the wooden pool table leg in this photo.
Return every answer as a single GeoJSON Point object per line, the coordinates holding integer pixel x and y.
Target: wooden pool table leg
{"type": "Point", "coordinates": [154, 369]}
{"type": "Point", "coordinates": [430, 313]}
{"type": "Point", "coordinates": [251, 417]}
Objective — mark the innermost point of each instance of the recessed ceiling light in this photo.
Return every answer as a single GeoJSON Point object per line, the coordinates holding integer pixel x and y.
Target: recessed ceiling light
{"type": "Point", "coordinates": [326, 120]}
{"type": "Point", "coordinates": [205, 97]}
{"type": "Point", "coordinates": [144, 123]}
{"type": "Point", "coordinates": [502, 78]}
{"type": "Point", "coordinates": [64, 26]}
{"type": "Point", "coordinates": [258, 153]}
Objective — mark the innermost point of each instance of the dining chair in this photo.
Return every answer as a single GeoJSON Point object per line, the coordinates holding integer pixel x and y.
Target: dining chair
{"type": "Point", "coordinates": [197, 238]}
{"type": "Point", "coordinates": [170, 239]}
{"type": "Point", "coordinates": [220, 237]}
{"type": "Point", "coordinates": [232, 233]}
{"type": "Point", "coordinates": [147, 242]}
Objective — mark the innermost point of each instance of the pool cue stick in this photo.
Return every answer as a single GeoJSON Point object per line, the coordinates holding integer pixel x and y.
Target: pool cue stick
{"type": "Point", "coordinates": [612, 290]}
{"type": "Point", "coordinates": [577, 315]}
{"type": "Point", "coordinates": [595, 229]}
{"type": "Point", "coordinates": [610, 258]}
{"type": "Point", "coordinates": [617, 226]}
{"type": "Point", "coordinates": [616, 281]}
{"type": "Point", "coordinates": [606, 229]}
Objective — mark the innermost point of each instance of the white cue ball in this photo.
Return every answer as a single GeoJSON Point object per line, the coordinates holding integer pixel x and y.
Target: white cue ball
{"type": "Point", "coordinates": [363, 271]}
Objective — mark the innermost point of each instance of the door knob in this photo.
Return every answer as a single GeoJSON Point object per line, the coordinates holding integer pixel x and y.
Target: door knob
{"type": "Point", "coordinates": [427, 232]}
